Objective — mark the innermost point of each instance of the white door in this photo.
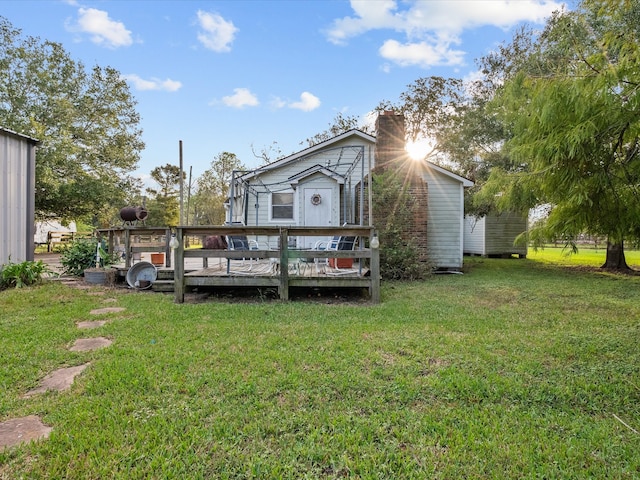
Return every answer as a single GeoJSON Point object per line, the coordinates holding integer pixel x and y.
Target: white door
{"type": "Point", "coordinates": [316, 211]}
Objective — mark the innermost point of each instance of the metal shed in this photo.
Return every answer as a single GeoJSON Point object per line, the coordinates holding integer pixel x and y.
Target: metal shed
{"type": "Point", "coordinates": [17, 196]}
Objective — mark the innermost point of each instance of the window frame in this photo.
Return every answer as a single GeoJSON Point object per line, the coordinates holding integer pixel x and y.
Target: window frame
{"type": "Point", "coordinates": [293, 207]}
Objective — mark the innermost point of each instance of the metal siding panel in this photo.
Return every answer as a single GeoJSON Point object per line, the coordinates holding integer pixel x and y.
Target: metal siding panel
{"type": "Point", "coordinates": [16, 219]}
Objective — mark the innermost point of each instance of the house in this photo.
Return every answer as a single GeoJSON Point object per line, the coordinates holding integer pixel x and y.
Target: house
{"type": "Point", "coordinates": [494, 234]}
{"type": "Point", "coordinates": [317, 186]}
{"type": "Point", "coordinates": [322, 186]}
{"type": "Point", "coordinates": [17, 196]}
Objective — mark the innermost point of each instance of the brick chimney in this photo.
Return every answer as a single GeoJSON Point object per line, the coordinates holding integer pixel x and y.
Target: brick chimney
{"type": "Point", "coordinates": [390, 141]}
{"type": "Point", "coordinates": [390, 155]}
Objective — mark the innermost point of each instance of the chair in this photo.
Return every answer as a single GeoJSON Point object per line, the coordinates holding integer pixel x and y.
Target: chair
{"type": "Point", "coordinates": [336, 243]}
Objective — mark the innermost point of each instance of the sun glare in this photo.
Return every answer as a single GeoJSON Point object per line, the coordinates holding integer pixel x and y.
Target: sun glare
{"type": "Point", "coordinates": [419, 149]}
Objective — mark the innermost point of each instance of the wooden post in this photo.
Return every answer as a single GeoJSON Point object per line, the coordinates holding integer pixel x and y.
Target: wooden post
{"type": "Point", "coordinates": [178, 272]}
{"type": "Point", "coordinates": [284, 264]}
{"type": "Point", "coordinates": [167, 248]}
{"type": "Point", "coordinates": [127, 248]}
{"type": "Point", "coordinates": [375, 272]}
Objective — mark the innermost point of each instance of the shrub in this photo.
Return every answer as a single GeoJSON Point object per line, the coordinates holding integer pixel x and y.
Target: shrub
{"type": "Point", "coordinates": [393, 212]}
{"type": "Point", "coordinates": [18, 275]}
{"type": "Point", "coordinates": [79, 255]}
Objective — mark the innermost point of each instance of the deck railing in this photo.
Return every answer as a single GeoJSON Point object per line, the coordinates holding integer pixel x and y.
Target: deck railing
{"type": "Point", "coordinates": [281, 255]}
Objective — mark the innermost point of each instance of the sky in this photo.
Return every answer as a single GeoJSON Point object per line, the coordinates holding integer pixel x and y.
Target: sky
{"type": "Point", "coordinates": [242, 76]}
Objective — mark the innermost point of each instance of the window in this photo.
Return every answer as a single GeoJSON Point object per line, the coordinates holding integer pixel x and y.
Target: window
{"type": "Point", "coordinates": [282, 206]}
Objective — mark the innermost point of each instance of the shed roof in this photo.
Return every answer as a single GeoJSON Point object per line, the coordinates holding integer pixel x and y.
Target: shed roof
{"type": "Point", "coordinates": [11, 133]}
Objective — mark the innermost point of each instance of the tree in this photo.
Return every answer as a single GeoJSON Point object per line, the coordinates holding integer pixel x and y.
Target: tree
{"type": "Point", "coordinates": [339, 125]}
{"type": "Point", "coordinates": [164, 204]}
{"type": "Point", "coordinates": [86, 122]}
{"type": "Point", "coordinates": [213, 189]}
{"type": "Point", "coordinates": [572, 105]}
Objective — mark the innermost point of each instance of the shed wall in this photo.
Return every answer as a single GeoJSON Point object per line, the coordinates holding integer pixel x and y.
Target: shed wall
{"type": "Point", "coordinates": [17, 197]}
{"type": "Point", "coordinates": [496, 235]}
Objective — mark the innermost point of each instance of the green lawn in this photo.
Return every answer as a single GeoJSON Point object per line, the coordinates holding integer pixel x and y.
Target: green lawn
{"type": "Point", "coordinates": [516, 369]}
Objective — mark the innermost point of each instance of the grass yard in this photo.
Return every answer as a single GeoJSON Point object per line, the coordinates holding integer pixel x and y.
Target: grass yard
{"type": "Point", "coordinates": [516, 369]}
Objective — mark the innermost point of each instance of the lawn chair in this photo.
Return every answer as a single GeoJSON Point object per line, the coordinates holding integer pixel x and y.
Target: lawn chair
{"type": "Point", "coordinates": [336, 243]}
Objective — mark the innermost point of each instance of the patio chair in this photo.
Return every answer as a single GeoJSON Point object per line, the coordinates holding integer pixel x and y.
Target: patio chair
{"type": "Point", "coordinates": [334, 244]}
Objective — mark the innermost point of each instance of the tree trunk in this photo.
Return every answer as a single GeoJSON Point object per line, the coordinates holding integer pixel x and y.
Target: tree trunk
{"type": "Point", "coordinates": [615, 257]}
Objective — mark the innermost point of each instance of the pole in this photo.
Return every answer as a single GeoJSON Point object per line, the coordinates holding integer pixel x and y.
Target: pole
{"type": "Point", "coordinates": [181, 187]}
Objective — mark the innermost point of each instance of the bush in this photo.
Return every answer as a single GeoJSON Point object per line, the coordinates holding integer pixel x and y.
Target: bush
{"type": "Point", "coordinates": [79, 255]}
{"type": "Point", "coordinates": [18, 275]}
{"type": "Point", "coordinates": [393, 213]}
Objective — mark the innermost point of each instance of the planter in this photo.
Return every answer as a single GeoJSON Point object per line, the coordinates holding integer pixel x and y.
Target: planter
{"type": "Point", "coordinates": [341, 262]}
{"type": "Point", "coordinates": [157, 259]}
{"type": "Point", "coordinates": [100, 276]}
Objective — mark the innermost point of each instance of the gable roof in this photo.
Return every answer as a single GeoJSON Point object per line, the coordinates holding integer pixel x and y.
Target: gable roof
{"type": "Point", "coordinates": [311, 150]}
{"type": "Point", "coordinates": [465, 181]}
{"type": "Point", "coordinates": [295, 179]}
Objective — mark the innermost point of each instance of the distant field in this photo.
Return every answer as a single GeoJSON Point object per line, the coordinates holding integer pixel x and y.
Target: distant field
{"type": "Point", "coordinates": [588, 256]}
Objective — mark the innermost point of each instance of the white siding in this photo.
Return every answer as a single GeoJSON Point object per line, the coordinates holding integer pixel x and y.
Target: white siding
{"type": "Point", "coordinates": [444, 220]}
{"type": "Point", "coordinates": [17, 186]}
{"type": "Point", "coordinates": [339, 157]}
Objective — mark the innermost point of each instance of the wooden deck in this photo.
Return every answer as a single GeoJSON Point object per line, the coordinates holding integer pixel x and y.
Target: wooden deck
{"type": "Point", "coordinates": [198, 267]}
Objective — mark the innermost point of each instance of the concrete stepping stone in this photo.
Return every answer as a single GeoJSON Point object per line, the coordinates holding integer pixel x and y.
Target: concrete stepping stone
{"type": "Point", "coordinates": [87, 344]}
{"type": "Point", "coordinates": [59, 380]}
{"type": "Point", "coordinates": [89, 324]}
{"type": "Point", "coordinates": [102, 311]}
{"type": "Point", "coordinates": [22, 430]}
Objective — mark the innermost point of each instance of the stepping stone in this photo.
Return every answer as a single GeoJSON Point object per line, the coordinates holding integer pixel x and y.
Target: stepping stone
{"type": "Point", "coordinates": [22, 430]}
{"type": "Point", "coordinates": [87, 344]}
{"type": "Point", "coordinates": [91, 324]}
{"type": "Point", "coordinates": [58, 380]}
{"type": "Point", "coordinates": [101, 311]}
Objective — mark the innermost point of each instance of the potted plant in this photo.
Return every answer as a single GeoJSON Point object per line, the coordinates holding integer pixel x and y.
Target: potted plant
{"type": "Point", "coordinates": [89, 258]}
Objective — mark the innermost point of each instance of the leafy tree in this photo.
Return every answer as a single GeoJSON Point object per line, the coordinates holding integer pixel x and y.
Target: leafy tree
{"type": "Point", "coordinates": [572, 104]}
{"type": "Point", "coordinates": [164, 205]}
{"type": "Point", "coordinates": [85, 119]}
{"type": "Point", "coordinates": [213, 189]}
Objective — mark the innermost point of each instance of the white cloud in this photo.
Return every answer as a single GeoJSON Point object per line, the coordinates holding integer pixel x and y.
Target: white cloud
{"type": "Point", "coordinates": [139, 83]}
{"type": "Point", "coordinates": [217, 34]}
{"type": "Point", "coordinates": [430, 28]}
{"type": "Point", "coordinates": [103, 30]}
{"type": "Point", "coordinates": [421, 54]}
{"type": "Point", "coordinates": [308, 102]}
{"type": "Point", "coordinates": [242, 97]}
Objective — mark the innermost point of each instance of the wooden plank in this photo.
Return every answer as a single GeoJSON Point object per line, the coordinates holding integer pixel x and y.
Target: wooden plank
{"type": "Point", "coordinates": [283, 289]}
{"type": "Point", "coordinates": [178, 275]}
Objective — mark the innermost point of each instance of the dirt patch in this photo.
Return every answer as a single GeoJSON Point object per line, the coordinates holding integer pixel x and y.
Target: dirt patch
{"type": "Point", "coordinates": [22, 430]}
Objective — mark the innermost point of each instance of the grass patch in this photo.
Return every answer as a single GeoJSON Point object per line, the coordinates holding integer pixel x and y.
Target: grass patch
{"type": "Point", "coordinates": [517, 369]}
{"type": "Point", "coordinates": [587, 255]}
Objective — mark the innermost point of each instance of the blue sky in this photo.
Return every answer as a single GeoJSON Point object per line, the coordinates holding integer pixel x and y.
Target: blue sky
{"type": "Point", "coordinates": [240, 75]}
